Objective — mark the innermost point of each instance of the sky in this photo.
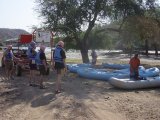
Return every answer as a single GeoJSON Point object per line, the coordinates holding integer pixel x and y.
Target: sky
{"type": "Point", "coordinates": [18, 14]}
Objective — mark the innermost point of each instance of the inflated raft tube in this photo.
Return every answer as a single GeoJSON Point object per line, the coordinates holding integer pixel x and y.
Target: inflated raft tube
{"type": "Point", "coordinates": [115, 66]}
{"type": "Point", "coordinates": [97, 74]}
{"type": "Point", "coordinates": [151, 72]}
{"type": "Point", "coordinates": [135, 84]}
{"type": "Point", "coordinates": [74, 67]}
{"type": "Point", "coordinates": [85, 65]}
{"type": "Point", "coordinates": [127, 70]}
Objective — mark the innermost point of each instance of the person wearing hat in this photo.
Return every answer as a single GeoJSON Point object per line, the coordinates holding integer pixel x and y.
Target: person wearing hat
{"type": "Point", "coordinates": [59, 64]}
{"type": "Point", "coordinates": [42, 65]}
{"type": "Point", "coordinates": [8, 61]}
{"type": "Point", "coordinates": [134, 66]}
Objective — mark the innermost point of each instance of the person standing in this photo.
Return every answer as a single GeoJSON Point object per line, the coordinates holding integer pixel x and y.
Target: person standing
{"type": "Point", "coordinates": [31, 53]}
{"type": "Point", "coordinates": [59, 64]}
{"type": "Point", "coordinates": [8, 58]}
{"type": "Point", "coordinates": [42, 65]}
{"type": "Point", "coordinates": [134, 66]}
{"type": "Point", "coordinates": [94, 57]}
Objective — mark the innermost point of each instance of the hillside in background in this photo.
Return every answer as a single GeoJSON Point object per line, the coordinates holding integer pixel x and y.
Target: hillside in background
{"type": "Point", "coordinates": [6, 33]}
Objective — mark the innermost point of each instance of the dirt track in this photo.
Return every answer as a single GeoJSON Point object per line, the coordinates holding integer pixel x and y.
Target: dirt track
{"type": "Point", "coordinates": [81, 99]}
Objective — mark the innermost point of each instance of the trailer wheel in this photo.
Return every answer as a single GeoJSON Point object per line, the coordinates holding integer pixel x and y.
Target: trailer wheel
{"type": "Point", "coordinates": [2, 63]}
{"type": "Point", "coordinates": [18, 70]}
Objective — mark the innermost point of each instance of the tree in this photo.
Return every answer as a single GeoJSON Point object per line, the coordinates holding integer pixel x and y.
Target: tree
{"type": "Point", "coordinates": [139, 27]}
{"type": "Point", "coordinates": [100, 40]}
{"type": "Point", "coordinates": [77, 18]}
{"type": "Point", "coordinates": [73, 17]}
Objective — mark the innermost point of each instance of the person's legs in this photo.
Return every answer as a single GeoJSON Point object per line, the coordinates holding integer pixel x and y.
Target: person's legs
{"type": "Point", "coordinates": [32, 78]}
{"type": "Point", "coordinates": [93, 61]}
{"type": "Point", "coordinates": [42, 76]}
{"type": "Point", "coordinates": [132, 74]}
{"type": "Point", "coordinates": [136, 75]}
{"type": "Point", "coordinates": [58, 80]}
{"type": "Point", "coordinates": [8, 69]}
{"type": "Point", "coordinates": [7, 74]}
{"type": "Point", "coordinates": [12, 72]}
{"type": "Point", "coordinates": [41, 81]}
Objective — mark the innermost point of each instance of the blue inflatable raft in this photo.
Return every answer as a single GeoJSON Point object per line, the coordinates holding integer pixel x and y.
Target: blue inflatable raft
{"type": "Point", "coordinates": [135, 84]}
{"type": "Point", "coordinates": [115, 66]}
{"type": "Point", "coordinates": [91, 73]}
{"type": "Point", "coordinates": [74, 67]}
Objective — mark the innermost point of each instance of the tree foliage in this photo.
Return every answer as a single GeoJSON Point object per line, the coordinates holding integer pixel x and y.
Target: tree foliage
{"type": "Point", "coordinates": [77, 18]}
{"type": "Point", "coordinates": [73, 17]}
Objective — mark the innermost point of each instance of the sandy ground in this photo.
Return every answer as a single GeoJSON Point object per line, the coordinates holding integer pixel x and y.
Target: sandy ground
{"type": "Point", "coordinates": [81, 99]}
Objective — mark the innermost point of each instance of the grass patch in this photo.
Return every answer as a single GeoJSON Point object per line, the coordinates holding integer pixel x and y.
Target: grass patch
{"type": "Point", "coordinates": [73, 60]}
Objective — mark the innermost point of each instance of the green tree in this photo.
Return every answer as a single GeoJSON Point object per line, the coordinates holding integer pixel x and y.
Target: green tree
{"type": "Point", "coordinates": [140, 27]}
{"type": "Point", "coordinates": [100, 40]}
{"type": "Point", "coordinates": [73, 17]}
{"type": "Point", "coordinates": [77, 18]}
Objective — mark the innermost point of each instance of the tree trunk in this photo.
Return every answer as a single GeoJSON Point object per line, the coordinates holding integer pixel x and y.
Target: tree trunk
{"type": "Point", "coordinates": [83, 49]}
{"type": "Point", "coordinates": [84, 53]}
{"type": "Point", "coordinates": [146, 47]}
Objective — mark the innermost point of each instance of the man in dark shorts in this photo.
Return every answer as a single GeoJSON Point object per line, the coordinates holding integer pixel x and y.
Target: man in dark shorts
{"type": "Point", "coordinates": [59, 64]}
{"type": "Point", "coordinates": [31, 53]}
{"type": "Point", "coordinates": [42, 65]}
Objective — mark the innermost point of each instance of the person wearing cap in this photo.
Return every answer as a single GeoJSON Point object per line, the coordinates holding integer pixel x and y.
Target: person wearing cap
{"type": "Point", "coordinates": [31, 53]}
{"type": "Point", "coordinates": [134, 66]}
{"type": "Point", "coordinates": [59, 64]}
{"type": "Point", "coordinates": [42, 65]}
{"type": "Point", "coordinates": [8, 61]}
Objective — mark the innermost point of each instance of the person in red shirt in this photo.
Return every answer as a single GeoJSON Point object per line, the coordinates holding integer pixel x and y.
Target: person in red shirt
{"type": "Point", "coordinates": [134, 65]}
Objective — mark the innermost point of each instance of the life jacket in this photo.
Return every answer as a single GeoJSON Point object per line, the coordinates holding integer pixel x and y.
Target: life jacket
{"type": "Point", "coordinates": [8, 55]}
{"type": "Point", "coordinates": [57, 54]}
{"type": "Point", "coordinates": [37, 58]}
{"type": "Point", "coordinates": [32, 57]}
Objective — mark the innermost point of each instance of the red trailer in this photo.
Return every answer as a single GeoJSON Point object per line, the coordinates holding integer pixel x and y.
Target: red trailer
{"type": "Point", "coordinates": [23, 63]}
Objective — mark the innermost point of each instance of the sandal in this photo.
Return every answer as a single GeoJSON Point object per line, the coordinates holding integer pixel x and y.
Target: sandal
{"type": "Point", "coordinates": [57, 91]}
{"type": "Point", "coordinates": [42, 87]}
{"type": "Point", "coordinates": [34, 85]}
